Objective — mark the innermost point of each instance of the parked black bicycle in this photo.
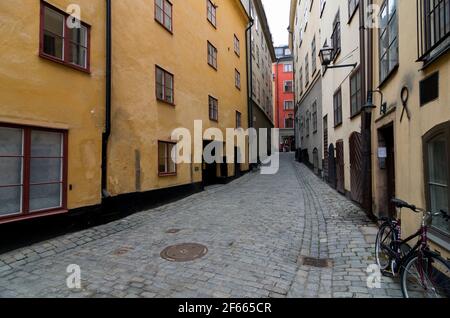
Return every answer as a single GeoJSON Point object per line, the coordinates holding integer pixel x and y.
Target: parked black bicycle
{"type": "Point", "coordinates": [423, 273]}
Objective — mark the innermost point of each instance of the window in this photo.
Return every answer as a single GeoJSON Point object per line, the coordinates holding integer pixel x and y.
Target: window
{"type": "Point", "coordinates": [166, 164]}
{"type": "Point", "coordinates": [163, 13]}
{"type": "Point", "coordinates": [164, 86]}
{"type": "Point", "coordinates": [336, 36]}
{"type": "Point", "coordinates": [288, 87]}
{"type": "Point", "coordinates": [314, 117]}
{"type": "Point", "coordinates": [288, 68]}
{"type": "Point", "coordinates": [289, 122]}
{"type": "Point", "coordinates": [33, 170]}
{"type": "Point", "coordinates": [212, 56]}
{"type": "Point", "coordinates": [388, 40]}
{"type": "Point", "coordinates": [352, 6]}
{"type": "Point", "coordinates": [237, 79]}
{"type": "Point", "coordinates": [213, 109]}
{"type": "Point", "coordinates": [437, 165]}
{"type": "Point", "coordinates": [434, 28]}
{"type": "Point", "coordinates": [211, 12]}
{"type": "Point", "coordinates": [237, 46]}
{"type": "Point", "coordinates": [337, 106]}
{"type": "Point", "coordinates": [301, 80]}
{"type": "Point", "coordinates": [238, 120]}
{"type": "Point", "coordinates": [314, 55]}
{"type": "Point", "coordinates": [306, 69]}
{"type": "Point", "coordinates": [70, 46]}
{"type": "Point", "coordinates": [308, 120]}
{"type": "Point", "coordinates": [355, 93]}
{"type": "Point", "coordinates": [288, 105]}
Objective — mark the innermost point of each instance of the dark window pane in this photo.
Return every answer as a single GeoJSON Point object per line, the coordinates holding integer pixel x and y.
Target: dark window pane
{"type": "Point", "coordinates": [43, 197]}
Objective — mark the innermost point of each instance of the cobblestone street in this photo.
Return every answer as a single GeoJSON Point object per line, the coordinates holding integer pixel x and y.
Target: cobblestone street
{"type": "Point", "coordinates": [257, 229]}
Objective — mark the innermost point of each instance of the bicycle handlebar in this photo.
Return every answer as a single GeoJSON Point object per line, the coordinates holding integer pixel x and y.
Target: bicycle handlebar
{"type": "Point", "coordinates": [402, 204]}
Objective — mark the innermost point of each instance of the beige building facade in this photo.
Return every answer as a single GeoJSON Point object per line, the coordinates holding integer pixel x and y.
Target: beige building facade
{"type": "Point", "coordinates": [411, 124]}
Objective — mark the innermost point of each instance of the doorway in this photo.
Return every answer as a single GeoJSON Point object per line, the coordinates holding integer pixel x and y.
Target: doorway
{"type": "Point", "coordinates": [209, 170]}
{"type": "Point", "coordinates": [386, 170]}
{"type": "Point", "coordinates": [340, 172]}
{"type": "Point", "coordinates": [356, 175]}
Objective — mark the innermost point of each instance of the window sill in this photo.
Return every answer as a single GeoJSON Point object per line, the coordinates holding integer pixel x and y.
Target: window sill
{"type": "Point", "coordinates": [61, 62]}
{"type": "Point", "coordinates": [338, 125]}
{"type": "Point", "coordinates": [22, 217]}
{"type": "Point", "coordinates": [213, 67]}
{"type": "Point", "coordinates": [350, 18]}
{"type": "Point", "coordinates": [440, 239]}
{"type": "Point", "coordinates": [166, 102]}
{"type": "Point", "coordinates": [431, 60]}
{"type": "Point", "coordinates": [164, 27]}
{"type": "Point", "coordinates": [355, 115]}
{"type": "Point", "coordinates": [162, 175]}
{"type": "Point", "coordinates": [212, 24]}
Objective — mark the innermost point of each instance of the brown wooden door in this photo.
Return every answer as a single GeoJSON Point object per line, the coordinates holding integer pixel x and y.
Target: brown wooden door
{"type": "Point", "coordinates": [356, 176]}
{"type": "Point", "coordinates": [340, 174]}
{"type": "Point", "coordinates": [331, 166]}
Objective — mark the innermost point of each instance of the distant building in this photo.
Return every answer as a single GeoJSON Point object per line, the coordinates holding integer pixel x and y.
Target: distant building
{"type": "Point", "coordinates": [283, 76]}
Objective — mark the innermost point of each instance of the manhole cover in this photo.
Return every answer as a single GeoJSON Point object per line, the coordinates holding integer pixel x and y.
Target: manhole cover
{"type": "Point", "coordinates": [184, 252]}
{"type": "Point", "coordinates": [316, 262]}
{"type": "Point", "coordinates": [173, 231]}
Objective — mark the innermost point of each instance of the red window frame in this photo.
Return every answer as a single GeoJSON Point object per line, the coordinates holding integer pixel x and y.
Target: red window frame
{"type": "Point", "coordinates": [163, 22]}
{"type": "Point", "coordinates": [166, 157]}
{"type": "Point", "coordinates": [26, 168]}
{"type": "Point", "coordinates": [165, 73]}
{"type": "Point", "coordinates": [66, 41]}
{"type": "Point", "coordinates": [213, 105]}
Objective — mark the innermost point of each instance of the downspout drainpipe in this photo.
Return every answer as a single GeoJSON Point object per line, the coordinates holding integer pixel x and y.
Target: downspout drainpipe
{"type": "Point", "coordinates": [365, 117]}
{"type": "Point", "coordinates": [107, 131]}
{"type": "Point", "coordinates": [250, 72]}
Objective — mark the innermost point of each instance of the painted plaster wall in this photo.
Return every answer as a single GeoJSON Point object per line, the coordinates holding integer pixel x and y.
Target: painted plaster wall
{"type": "Point", "coordinates": [139, 120]}
{"type": "Point", "coordinates": [335, 78]}
{"type": "Point", "coordinates": [39, 92]}
{"type": "Point", "coordinates": [408, 134]}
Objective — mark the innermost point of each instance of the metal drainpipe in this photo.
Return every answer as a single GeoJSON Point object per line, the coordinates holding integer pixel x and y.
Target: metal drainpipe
{"type": "Point", "coordinates": [107, 133]}
{"type": "Point", "coordinates": [250, 73]}
{"type": "Point", "coordinates": [365, 117]}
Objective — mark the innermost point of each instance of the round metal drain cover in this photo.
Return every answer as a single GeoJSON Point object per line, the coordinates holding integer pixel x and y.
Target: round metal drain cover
{"type": "Point", "coordinates": [184, 252]}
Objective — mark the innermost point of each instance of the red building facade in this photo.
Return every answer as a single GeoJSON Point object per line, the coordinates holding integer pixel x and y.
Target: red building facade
{"type": "Point", "coordinates": [284, 97]}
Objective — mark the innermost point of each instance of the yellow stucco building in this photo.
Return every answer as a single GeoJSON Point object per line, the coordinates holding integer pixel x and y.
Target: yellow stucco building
{"type": "Point", "coordinates": [411, 124]}
{"type": "Point", "coordinates": [172, 63]}
{"type": "Point", "coordinates": [51, 107]}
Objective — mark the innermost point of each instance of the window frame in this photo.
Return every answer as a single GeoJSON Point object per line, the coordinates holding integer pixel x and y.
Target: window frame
{"type": "Point", "coordinates": [285, 85]}
{"type": "Point", "coordinates": [358, 94]}
{"type": "Point", "coordinates": [211, 114]}
{"type": "Point", "coordinates": [162, 23]}
{"type": "Point", "coordinates": [238, 119]}
{"type": "Point", "coordinates": [163, 100]}
{"type": "Point", "coordinates": [210, 4]}
{"type": "Point", "coordinates": [440, 129]}
{"type": "Point", "coordinates": [66, 40]}
{"type": "Point", "coordinates": [288, 101]}
{"type": "Point", "coordinates": [25, 212]}
{"type": "Point", "coordinates": [210, 45]}
{"type": "Point", "coordinates": [237, 46]}
{"type": "Point", "coordinates": [351, 13]}
{"type": "Point", "coordinates": [168, 156]}
{"type": "Point", "coordinates": [337, 94]}
{"type": "Point", "coordinates": [237, 79]}
{"type": "Point", "coordinates": [392, 70]}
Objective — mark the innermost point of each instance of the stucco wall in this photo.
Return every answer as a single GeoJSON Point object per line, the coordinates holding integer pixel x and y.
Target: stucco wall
{"type": "Point", "coordinates": [39, 92]}
{"type": "Point", "coordinates": [139, 121]}
{"type": "Point", "coordinates": [409, 165]}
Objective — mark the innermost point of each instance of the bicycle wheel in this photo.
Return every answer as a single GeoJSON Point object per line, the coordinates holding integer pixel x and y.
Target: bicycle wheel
{"type": "Point", "coordinates": [385, 237]}
{"type": "Point", "coordinates": [426, 276]}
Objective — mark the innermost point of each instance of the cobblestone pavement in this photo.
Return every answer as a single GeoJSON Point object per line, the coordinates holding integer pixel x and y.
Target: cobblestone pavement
{"type": "Point", "coordinates": [257, 230]}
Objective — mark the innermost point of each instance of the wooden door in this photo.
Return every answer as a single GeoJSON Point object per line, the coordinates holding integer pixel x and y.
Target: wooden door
{"type": "Point", "coordinates": [356, 175]}
{"type": "Point", "coordinates": [340, 173]}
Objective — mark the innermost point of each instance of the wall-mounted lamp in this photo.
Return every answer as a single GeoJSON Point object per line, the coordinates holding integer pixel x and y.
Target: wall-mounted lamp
{"type": "Point", "coordinates": [369, 106]}
{"type": "Point", "coordinates": [326, 57]}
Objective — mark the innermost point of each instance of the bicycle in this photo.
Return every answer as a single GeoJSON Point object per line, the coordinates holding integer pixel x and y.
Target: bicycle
{"type": "Point", "coordinates": [423, 273]}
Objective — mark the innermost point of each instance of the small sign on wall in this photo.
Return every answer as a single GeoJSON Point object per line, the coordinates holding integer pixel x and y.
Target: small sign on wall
{"type": "Point", "coordinates": [382, 152]}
